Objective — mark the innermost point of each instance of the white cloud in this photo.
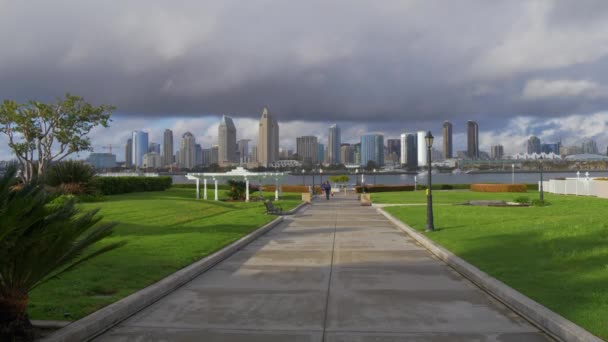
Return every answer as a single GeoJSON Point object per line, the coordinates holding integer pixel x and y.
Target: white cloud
{"type": "Point", "coordinates": [540, 89]}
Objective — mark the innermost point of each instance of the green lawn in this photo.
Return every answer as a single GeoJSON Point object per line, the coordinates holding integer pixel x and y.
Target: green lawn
{"type": "Point", "coordinates": [164, 231]}
{"type": "Point", "coordinates": [556, 255]}
{"type": "Point", "coordinates": [446, 196]}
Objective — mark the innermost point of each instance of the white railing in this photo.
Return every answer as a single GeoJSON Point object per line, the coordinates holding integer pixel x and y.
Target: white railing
{"type": "Point", "coordinates": [577, 186]}
{"type": "Point", "coordinates": [128, 174]}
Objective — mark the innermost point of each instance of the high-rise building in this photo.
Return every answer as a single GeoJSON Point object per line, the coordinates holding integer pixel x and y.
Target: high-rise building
{"type": "Point", "coordinates": [534, 145]}
{"type": "Point", "coordinates": [129, 153]}
{"type": "Point", "coordinates": [447, 140]}
{"type": "Point", "coordinates": [154, 147]}
{"type": "Point", "coordinates": [496, 152]}
{"type": "Point", "coordinates": [100, 161]}
{"type": "Point", "coordinates": [215, 152]}
{"type": "Point", "coordinates": [321, 157]}
{"type": "Point", "coordinates": [254, 153]}
{"type": "Point", "coordinates": [409, 150]}
{"type": "Point", "coordinates": [393, 149]}
{"type": "Point", "coordinates": [372, 149]}
{"type": "Point", "coordinates": [421, 148]}
{"type": "Point", "coordinates": [226, 141]}
{"type": "Point", "coordinates": [198, 155]}
{"type": "Point", "coordinates": [473, 140]}
{"type": "Point", "coordinates": [187, 151]}
{"type": "Point", "coordinates": [333, 144]}
{"type": "Point", "coordinates": [167, 153]}
{"type": "Point", "coordinates": [308, 149]}
{"type": "Point", "coordinates": [152, 160]}
{"type": "Point", "coordinates": [140, 147]}
{"type": "Point", "coordinates": [268, 142]}
{"type": "Point", "coordinates": [346, 154]}
{"type": "Point", "coordinates": [551, 148]}
{"type": "Point", "coordinates": [206, 157]}
{"type": "Point", "coordinates": [243, 150]}
{"type": "Point", "coordinates": [589, 146]}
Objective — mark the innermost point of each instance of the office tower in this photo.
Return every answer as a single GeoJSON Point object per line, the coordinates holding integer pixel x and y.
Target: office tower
{"type": "Point", "coordinates": [447, 140]}
{"type": "Point", "coordinates": [421, 146]}
{"type": "Point", "coordinates": [187, 151]}
{"type": "Point", "coordinates": [589, 146]}
{"type": "Point", "coordinates": [393, 148]}
{"type": "Point", "coordinates": [206, 157]}
{"type": "Point", "coordinates": [167, 155]}
{"type": "Point", "coordinates": [176, 158]}
{"type": "Point", "coordinates": [534, 145]}
{"type": "Point", "coordinates": [551, 148]}
{"type": "Point", "coordinates": [129, 153]}
{"type": "Point", "coordinates": [409, 150]}
{"type": "Point", "coordinates": [321, 157]}
{"type": "Point", "coordinates": [268, 142]}
{"type": "Point", "coordinates": [333, 144]}
{"type": "Point", "coordinates": [496, 151]}
{"type": "Point", "coordinates": [308, 149]}
{"type": "Point", "coordinates": [346, 154]}
{"type": "Point", "coordinates": [254, 153]}
{"type": "Point", "coordinates": [226, 141]}
{"type": "Point", "coordinates": [140, 147]}
{"type": "Point", "coordinates": [151, 160]}
{"type": "Point", "coordinates": [198, 155]}
{"type": "Point", "coordinates": [214, 154]}
{"type": "Point", "coordinates": [243, 150]}
{"type": "Point", "coordinates": [101, 161]}
{"type": "Point", "coordinates": [472, 139]}
{"type": "Point", "coordinates": [154, 147]}
{"type": "Point", "coordinates": [372, 149]}
{"type": "Point", "coordinates": [357, 153]}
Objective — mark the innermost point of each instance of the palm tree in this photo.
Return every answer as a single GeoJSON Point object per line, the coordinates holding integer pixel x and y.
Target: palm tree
{"type": "Point", "coordinates": [40, 238]}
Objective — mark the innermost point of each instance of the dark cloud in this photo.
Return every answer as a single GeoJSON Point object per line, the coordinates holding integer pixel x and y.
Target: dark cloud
{"type": "Point", "coordinates": [416, 61]}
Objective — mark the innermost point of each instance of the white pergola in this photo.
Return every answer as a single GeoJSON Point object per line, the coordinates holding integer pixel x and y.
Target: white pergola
{"type": "Point", "coordinates": [238, 173]}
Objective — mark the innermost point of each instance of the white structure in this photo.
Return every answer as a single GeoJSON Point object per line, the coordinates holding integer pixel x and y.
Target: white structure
{"type": "Point", "coordinates": [238, 173]}
{"type": "Point", "coordinates": [582, 185]}
{"type": "Point", "coordinates": [153, 160]}
{"type": "Point", "coordinates": [286, 163]}
{"type": "Point", "coordinates": [533, 156]}
{"type": "Point", "coordinates": [421, 148]}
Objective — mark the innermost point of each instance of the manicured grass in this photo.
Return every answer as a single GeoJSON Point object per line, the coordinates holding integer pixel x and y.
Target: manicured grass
{"type": "Point", "coordinates": [447, 196]}
{"type": "Point", "coordinates": [164, 231]}
{"type": "Point", "coordinates": [556, 255]}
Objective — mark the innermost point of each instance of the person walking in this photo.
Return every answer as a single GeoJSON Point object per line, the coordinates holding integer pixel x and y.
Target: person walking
{"type": "Point", "coordinates": [327, 188]}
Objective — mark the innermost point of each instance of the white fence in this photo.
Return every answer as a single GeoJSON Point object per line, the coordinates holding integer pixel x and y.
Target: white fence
{"type": "Point", "coordinates": [577, 186]}
{"type": "Point", "coordinates": [127, 174]}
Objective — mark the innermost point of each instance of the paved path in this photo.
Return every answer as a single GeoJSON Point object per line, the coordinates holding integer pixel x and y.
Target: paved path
{"type": "Point", "coordinates": [334, 272]}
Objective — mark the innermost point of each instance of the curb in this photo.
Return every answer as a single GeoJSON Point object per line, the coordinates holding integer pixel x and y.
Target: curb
{"type": "Point", "coordinates": [111, 315]}
{"type": "Point", "coordinates": [547, 320]}
{"type": "Point", "coordinates": [294, 210]}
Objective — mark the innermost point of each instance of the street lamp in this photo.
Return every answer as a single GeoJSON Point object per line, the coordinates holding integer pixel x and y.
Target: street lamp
{"type": "Point", "coordinates": [429, 195]}
{"type": "Point", "coordinates": [375, 176]}
{"type": "Point", "coordinates": [542, 195]}
{"type": "Point", "coordinates": [303, 182]}
{"type": "Point", "coordinates": [512, 173]}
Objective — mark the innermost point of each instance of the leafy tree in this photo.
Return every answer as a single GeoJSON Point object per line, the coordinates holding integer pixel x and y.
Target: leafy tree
{"type": "Point", "coordinates": [40, 133]}
{"type": "Point", "coordinates": [339, 179]}
{"type": "Point", "coordinates": [40, 239]}
{"type": "Point", "coordinates": [237, 190]}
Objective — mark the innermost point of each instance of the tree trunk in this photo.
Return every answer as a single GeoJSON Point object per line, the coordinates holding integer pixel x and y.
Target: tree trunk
{"type": "Point", "coordinates": [14, 322]}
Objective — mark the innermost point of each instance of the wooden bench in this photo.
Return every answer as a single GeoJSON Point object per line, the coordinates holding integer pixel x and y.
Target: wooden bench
{"type": "Point", "coordinates": [271, 209]}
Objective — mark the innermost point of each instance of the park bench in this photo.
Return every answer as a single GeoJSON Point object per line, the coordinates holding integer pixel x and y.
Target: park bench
{"type": "Point", "coordinates": [272, 209]}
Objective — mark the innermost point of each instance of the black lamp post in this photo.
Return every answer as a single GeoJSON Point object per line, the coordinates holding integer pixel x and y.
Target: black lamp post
{"type": "Point", "coordinates": [542, 195]}
{"type": "Point", "coordinates": [429, 194]}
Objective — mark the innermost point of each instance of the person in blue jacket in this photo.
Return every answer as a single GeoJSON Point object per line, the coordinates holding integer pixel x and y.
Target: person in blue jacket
{"type": "Point", "coordinates": [327, 188]}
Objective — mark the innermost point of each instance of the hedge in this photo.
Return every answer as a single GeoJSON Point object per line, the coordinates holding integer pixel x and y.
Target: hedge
{"type": "Point", "coordinates": [292, 188]}
{"type": "Point", "coordinates": [122, 185]}
{"type": "Point", "coordinates": [445, 186]}
{"type": "Point", "coordinates": [383, 188]}
{"type": "Point", "coordinates": [499, 187]}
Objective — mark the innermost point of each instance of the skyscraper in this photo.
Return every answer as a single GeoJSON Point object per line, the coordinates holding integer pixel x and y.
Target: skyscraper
{"type": "Point", "coordinates": [308, 149]}
{"type": "Point", "coordinates": [167, 153]}
{"type": "Point", "coordinates": [243, 150]}
{"type": "Point", "coordinates": [372, 149]}
{"type": "Point", "coordinates": [421, 148]}
{"type": "Point", "coordinates": [409, 150]}
{"type": "Point", "coordinates": [268, 142]}
{"type": "Point", "coordinates": [214, 154]}
{"type": "Point", "coordinates": [447, 140]}
{"type": "Point", "coordinates": [589, 146]}
{"type": "Point", "coordinates": [496, 152]}
{"type": "Point", "coordinates": [129, 153]}
{"type": "Point", "coordinates": [154, 147]}
{"type": "Point", "coordinates": [226, 141]}
{"type": "Point", "coordinates": [333, 144]}
{"type": "Point", "coordinates": [534, 145]}
{"type": "Point", "coordinates": [346, 154]}
{"type": "Point", "coordinates": [198, 155]}
{"type": "Point", "coordinates": [140, 147]}
{"type": "Point", "coordinates": [394, 150]}
{"type": "Point", "coordinates": [472, 140]}
{"type": "Point", "coordinates": [187, 151]}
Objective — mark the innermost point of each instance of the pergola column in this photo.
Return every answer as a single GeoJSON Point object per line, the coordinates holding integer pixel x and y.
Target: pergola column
{"type": "Point", "coordinates": [198, 189]}
{"type": "Point", "coordinates": [205, 189]}
{"type": "Point", "coordinates": [276, 189]}
{"type": "Point", "coordinates": [246, 190]}
{"type": "Point", "coordinates": [215, 181]}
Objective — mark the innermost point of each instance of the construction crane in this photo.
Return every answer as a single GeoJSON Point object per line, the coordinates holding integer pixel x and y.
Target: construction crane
{"type": "Point", "coordinates": [109, 147]}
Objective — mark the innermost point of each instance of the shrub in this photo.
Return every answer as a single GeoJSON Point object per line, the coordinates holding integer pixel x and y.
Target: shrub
{"type": "Point", "coordinates": [292, 188]}
{"type": "Point", "coordinates": [71, 177]}
{"type": "Point", "coordinates": [522, 200]}
{"type": "Point", "coordinates": [444, 186]}
{"type": "Point", "coordinates": [122, 185]}
{"type": "Point", "coordinates": [383, 188]}
{"type": "Point", "coordinates": [339, 179]}
{"type": "Point", "coordinates": [499, 187]}
{"type": "Point", "coordinates": [237, 190]}
{"type": "Point", "coordinates": [538, 203]}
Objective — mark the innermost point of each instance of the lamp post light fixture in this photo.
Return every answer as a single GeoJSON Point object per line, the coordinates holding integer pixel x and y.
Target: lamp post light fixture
{"type": "Point", "coordinates": [375, 176]}
{"type": "Point", "coordinates": [578, 174]}
{"type": "Point", "coordinates": [512, 173]}
{"type": "Point", "coordinates": [429, 194]}
{"type": "Point", "coordinates": [542, 195]}
{"type": "Point", "coordinates": [303, 182]}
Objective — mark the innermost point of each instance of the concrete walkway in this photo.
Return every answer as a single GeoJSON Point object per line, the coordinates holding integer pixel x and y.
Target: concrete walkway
{"type": "Point", "coordinates": [334, 272]}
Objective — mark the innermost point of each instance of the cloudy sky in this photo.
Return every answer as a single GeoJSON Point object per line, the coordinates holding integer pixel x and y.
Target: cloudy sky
{"type": "Point", "coordinates": [517, 67]}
